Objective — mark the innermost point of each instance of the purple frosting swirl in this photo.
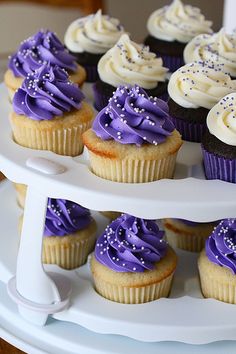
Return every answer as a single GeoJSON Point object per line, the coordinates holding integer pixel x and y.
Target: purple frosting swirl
{"type": "Point", "coordinates": [132, 117]}
{"type": "Point", "coordinates": [221, 245]}
{"type": "Point", "coordinates": [64, 217]}
{"type": "Point", "coordinates": [130, 244]}
{"type": "Point", "coordinates": [43, 47]}
{"type": "Point", "coordinates": [46, 93]}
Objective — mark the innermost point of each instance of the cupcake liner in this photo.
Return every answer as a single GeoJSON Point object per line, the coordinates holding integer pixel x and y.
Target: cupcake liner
{"type": "Point", "coordinates": [171, 62]}
{"type": "Point", "coordinates": [132, 171]}
{"type": "Point", "coordinates": [20, 193]}
{"type": "Point", "coordinates": [62, 141]}
{"type": "Point", "coordinates": [133, 295]}
{"type": "Point", "coordinates": [190, 131]}
{"type": "Point", "coordinates": [187, 242]}
{"type": "Point", "coordinates": [218, 167]}
{"type": "Point", "coordinates": [91, 72]}
{"type": "Point", "coordinates": [67, 255]}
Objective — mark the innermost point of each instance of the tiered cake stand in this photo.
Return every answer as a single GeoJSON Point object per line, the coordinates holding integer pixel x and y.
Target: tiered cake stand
{"type": "Point", "coordinates": [41, 292]}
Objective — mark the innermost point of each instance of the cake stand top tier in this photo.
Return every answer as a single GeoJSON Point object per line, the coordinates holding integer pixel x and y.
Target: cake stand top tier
{"type": "Point", "coordinates": [187, 196]}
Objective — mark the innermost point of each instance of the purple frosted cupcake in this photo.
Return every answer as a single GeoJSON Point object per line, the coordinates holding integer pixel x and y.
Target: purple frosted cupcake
{"type": "Point", "coordinates": [69, 234]}
{"type": "Point", "coordinates": [194, 89]}
{"type": "Point", "coordinates": [217, 263]}
{"type": "Point", "coordinates": [132, 263]}
{"type": "Point", "coordinates": [129, 63]}
{"type": "Point", "coordinates": [219, 142]}
{"type": "Point", "coordinates": [187, 235]}
{"type": "Point", "coordinates": [133, 139]}
{"type": "Point", "coordinates": [171, 28]}
{"type": "Point", "coordinates": [41, 48]}
{"type": "Point", "coordinates": [88, 38]}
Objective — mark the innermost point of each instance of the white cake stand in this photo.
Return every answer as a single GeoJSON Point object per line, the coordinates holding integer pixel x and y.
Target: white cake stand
{"type": "Point", "coordinates": [69, 295]}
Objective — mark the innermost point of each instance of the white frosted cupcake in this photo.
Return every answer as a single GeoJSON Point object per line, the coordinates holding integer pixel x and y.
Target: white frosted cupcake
{"type": "Point", "coordinates": [194, 89]}
{"type": "Point", "coordinates": [171, 28]}
{"type": "Point", "coordinates": [129, 63]}
{"type": "Point", "coordinates": [88, 38]}
{"type": "Point", "coordinates": [218, 47]}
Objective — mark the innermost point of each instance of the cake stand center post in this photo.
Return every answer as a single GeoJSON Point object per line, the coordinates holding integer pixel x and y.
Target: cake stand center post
{"type": "Point", "coordinates": [32, 283]}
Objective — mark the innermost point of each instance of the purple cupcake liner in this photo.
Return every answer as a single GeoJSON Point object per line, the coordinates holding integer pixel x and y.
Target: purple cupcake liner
{"type": "Point", "coordinates": [218, 167]}
{"type": "Point", "coordinates": [190, 131]}
{"type": "Point", "coordinates": [171, 62]}
{"type": "Point", "coordinates": [92, 73]}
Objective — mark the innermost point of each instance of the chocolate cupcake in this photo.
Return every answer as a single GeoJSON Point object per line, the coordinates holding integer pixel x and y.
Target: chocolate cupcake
{"type": "Point", "coordinates": [194, 89]}
{"type": "Point", "coordinates": [129, 63]}
{"type": "Point", "coordinates": [219, 142]}
{"type": "Point", "coordinates": [88, 38]}
{"type": "Point", "coordinates": [171, 28]}
{"type": "Point", "coordinates": [217, 263]}
{"type": "Point", "coordinates": [41, 48]}
{"type": "Point", "coordinates": [132, 263]}
{"type": "Point", "coordinates": [218, 47]}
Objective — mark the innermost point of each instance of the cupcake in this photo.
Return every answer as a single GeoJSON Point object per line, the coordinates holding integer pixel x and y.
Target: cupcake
{"type": "Point", "coordinates": [129, 63]}
{"type": "Point", "coordinates": [112, 215]}
{"type": "Point", "coordinates": [20, 194]}
{"type": "Point", "coordinates": [187, 235]}
{"type": "Point", "coordinates": [171, 28]}
{"type": "Point", "coordinates": [194, 89]}
{"type": "Point", "coordinates": [69, 234]}
{"type": "Point", "coordinates": [218, 47]}
{"type": "Point", "coordinates": [49, 112]}
{"type": "Point", "coordinates": [88, 38]}
{"type": "Point", "coordinates": [133, 139]}
{"type": "Point", "coordinates": [132, 264]}
{"type": "Point", "coordinates": [219, 141]}
{"type": "Point", "coordinates": [41, 48]}
{"type": "Point", "coordinates": [217, 263]}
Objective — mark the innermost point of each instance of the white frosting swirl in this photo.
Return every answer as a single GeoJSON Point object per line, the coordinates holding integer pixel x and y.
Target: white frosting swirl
{"type": "Point", "coordinates": [130, 63]}
{"type": "Point", "coordinates": [177, 22]}
{"type": "Point", "coordinates": [221, 120]}
{"type": "Point", "coordinates": [94, 34]}
{"type": "Point", "coordinates": [219, 47]}
{"type": "Point", "coordinates": [200, 84]}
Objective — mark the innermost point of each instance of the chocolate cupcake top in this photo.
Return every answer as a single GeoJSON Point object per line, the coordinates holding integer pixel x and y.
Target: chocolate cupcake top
{"type": "Point", "coordinates": [64, 217]}
{"type": "Point", "coordinates": [177, 22]}
{"type": "Point", "coordinates": [130, 244]}
{"type": "Point", "coordinates": [94, 34]}
{"type": "Point", "coordinates": [221, 245]}
{"type": "Point", "coordinates": [46, 93]}
{"type": "Point", "coordinates": [130, 63]}
{"type": "Point", "coordinates": [200, 84]}
{"type": "Point", "coordinates": [41, 48]}
{"type": "Point", "coordinates": [219, 47]}
{"type": "Point", "coordinates": [132, 117]}
{"type": "Point", "coordinates": [221, 120]}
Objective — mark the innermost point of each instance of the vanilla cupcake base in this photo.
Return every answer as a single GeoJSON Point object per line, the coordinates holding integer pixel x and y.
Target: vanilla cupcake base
{"type": "Point", "coordinates": [216, 282]}
{"type": "Point", "coordinates": [131, 164]}
{"type": "Point", "coordinates": [69, 251]}
{"type": "Point", "coordinates": [135, 288]}
{"type": "Point", "coordinates": [13, 82]}
{"type": "Point", "coordinates": [186, 237]}
{"type": "Point", "coordinates": [62, 135]}
{"type": "Point", "coordinates": [112, 215]}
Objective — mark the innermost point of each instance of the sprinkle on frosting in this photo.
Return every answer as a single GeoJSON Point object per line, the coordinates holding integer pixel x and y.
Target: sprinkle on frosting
{"type": "Point", "coordinates": [95, 33]}
{"type": "Point", "coordinates": [132, 117]}
{"type": "Point", "coordinates": [221, 120]}
{"type": "Point", "coordinates": [221, 245]}
{"type": "Point", "coordinates": [43, 47]}
{"type": "Point", "coordinates": [177, 22]}
{"type": "Point", "coordinates": [219, 47]}
{"type": "Point", "coordinates": [47, 93]}
{"type": "Point", "coordinates": [200, 84]}
{"type": "Point", "coordinates": [131, 63]}
{"type": "Point", "coordinates": [130, 244]}
{"type": "Point", "coordinates": [64, 217]}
